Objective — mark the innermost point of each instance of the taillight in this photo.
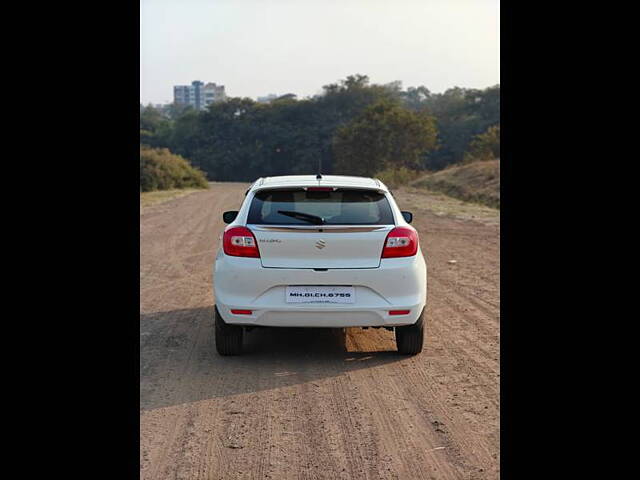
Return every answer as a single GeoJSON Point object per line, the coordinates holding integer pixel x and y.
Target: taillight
{"type": "Point", "coordinates": [240, 242]}
{"type": "Point", "coordinates": [401, 242]}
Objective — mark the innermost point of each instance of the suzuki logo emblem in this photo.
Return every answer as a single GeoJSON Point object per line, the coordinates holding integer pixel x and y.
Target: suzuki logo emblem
{"type": "Point", "coordinates": [320, 244]}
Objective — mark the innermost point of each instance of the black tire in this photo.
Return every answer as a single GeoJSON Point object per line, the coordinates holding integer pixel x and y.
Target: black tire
{"type": "Point", "coordinates": [410, 338]}
{"type": "Point", "coordinates": [228, 337]}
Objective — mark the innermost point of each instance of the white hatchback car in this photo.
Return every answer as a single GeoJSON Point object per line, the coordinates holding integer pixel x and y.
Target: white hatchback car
{"type": "Point", "coordinates": [319, 251]}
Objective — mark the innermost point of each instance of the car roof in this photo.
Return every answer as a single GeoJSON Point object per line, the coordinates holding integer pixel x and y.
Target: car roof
{"type": "Point", "coordinates": [312, 181]}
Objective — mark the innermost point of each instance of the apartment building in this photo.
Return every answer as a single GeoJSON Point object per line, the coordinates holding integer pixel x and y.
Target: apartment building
{"type": "Point", "coordinates": [198, 95]}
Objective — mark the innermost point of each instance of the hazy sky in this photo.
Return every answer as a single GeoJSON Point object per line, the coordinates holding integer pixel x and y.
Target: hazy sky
{"type": "Point", "coordinates": [257, 47]}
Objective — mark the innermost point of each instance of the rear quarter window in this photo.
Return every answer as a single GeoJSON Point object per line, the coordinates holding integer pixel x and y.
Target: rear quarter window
{"type": "Point", "coordinates": [338, 207]}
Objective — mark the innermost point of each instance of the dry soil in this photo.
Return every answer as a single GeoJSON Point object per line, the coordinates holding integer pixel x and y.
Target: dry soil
{"type": "Point", "coordinates": [308, 403]}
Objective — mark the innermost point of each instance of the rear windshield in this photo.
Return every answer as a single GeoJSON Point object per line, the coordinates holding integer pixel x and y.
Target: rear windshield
{"type": "Point", "coordinates": [338, 207]}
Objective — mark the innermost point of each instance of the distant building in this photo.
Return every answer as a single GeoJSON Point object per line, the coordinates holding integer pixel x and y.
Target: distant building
{"type": "Point", "coordinates": [268, 98]}
{"type": "Point", "coordinates": [198, 95]}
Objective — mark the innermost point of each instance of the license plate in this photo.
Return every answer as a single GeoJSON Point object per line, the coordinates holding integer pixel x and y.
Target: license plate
{"type": "Point", "coordinates": [317, 294]}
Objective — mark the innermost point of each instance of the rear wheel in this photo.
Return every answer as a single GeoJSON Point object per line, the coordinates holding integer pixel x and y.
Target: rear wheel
{"type": "Point", "coordinates": [228, 337]}
{"type": "Point", "coordinates": [410, 338]}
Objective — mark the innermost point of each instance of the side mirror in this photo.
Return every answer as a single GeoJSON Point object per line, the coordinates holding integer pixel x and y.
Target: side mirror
{"type": "Point", "coordinates": [408, 216]}
{"type": "Point", "coordinates": [229, 216]}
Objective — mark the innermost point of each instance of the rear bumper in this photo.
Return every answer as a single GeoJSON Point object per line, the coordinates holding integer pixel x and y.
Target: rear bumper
{"type": "Point", "coordinates": [243, 284]}
{"type": "Point", "coordinates": [325, 317]}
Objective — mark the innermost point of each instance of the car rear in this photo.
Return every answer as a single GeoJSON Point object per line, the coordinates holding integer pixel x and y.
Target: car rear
{"type": "Point", "coordinates": [320, 254]}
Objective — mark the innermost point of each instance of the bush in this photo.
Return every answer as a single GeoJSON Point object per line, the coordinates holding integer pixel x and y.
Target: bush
{"type": "Point", "coordinates": [162, 170]}
{"type": "Point", "coordinates": [485, 146]}
{"type": "Point", "coordinates": [395, 177]}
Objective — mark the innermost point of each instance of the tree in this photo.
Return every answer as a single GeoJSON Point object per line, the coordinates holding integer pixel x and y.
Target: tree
{"type": "Point", "coordinates": [416, 98]}
{"type": "Point", "coordinates": [461, 114]}
{"type": "Point", "coordinates": [152, 122]}
{"type": "Point", "coordinates": [384, 136]}
{"type": "Point", "coordinates": [151, 119]}
{"type": "Point", "coordinates": [485, 146]}
{"type": "Point", "coordinates": [175, 110]}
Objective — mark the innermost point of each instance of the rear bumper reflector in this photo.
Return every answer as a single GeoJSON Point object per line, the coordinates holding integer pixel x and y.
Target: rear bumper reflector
{"type": "Point", "coordinates": [241, 312]}
{"type": "Point", "coordinates": [399, 312]}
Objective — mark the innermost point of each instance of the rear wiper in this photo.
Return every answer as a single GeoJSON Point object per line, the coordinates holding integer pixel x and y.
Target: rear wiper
{"type": "Point", "coordinates": [303, 216]}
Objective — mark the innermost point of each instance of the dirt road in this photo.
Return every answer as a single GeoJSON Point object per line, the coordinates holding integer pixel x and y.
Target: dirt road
{"type": "Point", "coordinates": [305, 403]}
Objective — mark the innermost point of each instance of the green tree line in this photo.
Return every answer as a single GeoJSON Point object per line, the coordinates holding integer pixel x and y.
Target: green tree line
{"type": "Point", "coordinates": [352, 127]}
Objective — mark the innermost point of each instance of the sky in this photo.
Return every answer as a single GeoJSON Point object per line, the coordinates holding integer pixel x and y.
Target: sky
{"type": "Point", "coordinates": [258, 47]}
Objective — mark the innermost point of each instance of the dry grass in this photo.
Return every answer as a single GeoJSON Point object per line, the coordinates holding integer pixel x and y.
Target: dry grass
{"type": "Point", "coordinates": [419, 200]}
{"type": "Point", "coordinates": [396, 177]}
{"type": "Point", "coordinates": [477, 182]}
{"type": "Point", "coordinates": [159, 196]}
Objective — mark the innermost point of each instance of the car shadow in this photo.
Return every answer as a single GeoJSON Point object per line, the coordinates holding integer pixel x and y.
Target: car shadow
{"type": "Point", "coordinates": [179, 363]}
